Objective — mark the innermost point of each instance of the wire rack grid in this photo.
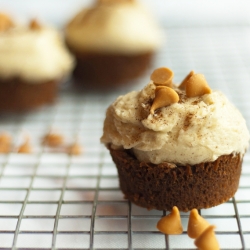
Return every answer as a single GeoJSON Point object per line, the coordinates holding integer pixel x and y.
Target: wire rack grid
{"type": "Point", "coordinates": [51, 200]}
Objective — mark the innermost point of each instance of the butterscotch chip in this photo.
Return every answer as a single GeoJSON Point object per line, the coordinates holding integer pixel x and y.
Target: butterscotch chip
{"type": "Point", "coordinates": [53, 140]}
{"type": "Point", "coordinates": [5, 143]}
{"type": "Point", "coordinates": [25, 148]}
{"type": "Point", "coordinates": [196, 85]}
{"type": "Point", "coordinates": [5, 139]}
{"type": "Point", "coordinates": [5, 22]}
{"type": "Point", "coordinates": [171, 224]}
{"type": "Point", "coordinates": [207, 240]}
{"type": "Point", "coordinates": [162, 76]}
{"type": "Point", "coordinates": [75, 149]}
{"type": "Point", "coordinates": [183, 83]}
{"type": "Point", "coordinates": [5, 149]}
{"type": "Point", "coordinates": [164, 96]}
{"type": "Point", "coordinates": [34, 25]}
{"type": "Point", "coordinates": [196, 224]}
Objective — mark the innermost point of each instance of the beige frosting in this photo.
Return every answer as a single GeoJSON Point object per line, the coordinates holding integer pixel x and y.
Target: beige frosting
{"type": "Point", "coordinates": [192, 131]}
{"type": "Point", "coordinates": [33, 55]}
{"type": "Point", "coordinates": [124, 28]}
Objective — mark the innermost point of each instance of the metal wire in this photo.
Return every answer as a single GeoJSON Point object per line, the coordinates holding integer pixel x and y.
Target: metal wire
{"type": "Point", "coordinates": [51, 200]}
{"type": "Point", "coordinates": [22, 210]}
{"type": "Point", "coordinates": [92, 228]}
{"type": "Point", "coordinates": [239, 224]}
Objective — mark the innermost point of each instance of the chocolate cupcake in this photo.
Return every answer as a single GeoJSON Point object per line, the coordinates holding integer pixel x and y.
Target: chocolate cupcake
{"type": "Point", "coordinates": [176, 145]}
{"type": "Point", "coordinates": [113, 41]}
{"type": "Point", "coordinates": [33, 61]}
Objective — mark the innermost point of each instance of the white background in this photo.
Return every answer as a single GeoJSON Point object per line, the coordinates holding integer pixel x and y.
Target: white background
{"type": "Point", "coordinates": [169, 12]}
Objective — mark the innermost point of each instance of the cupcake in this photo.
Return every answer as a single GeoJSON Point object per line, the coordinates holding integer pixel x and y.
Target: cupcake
{"type": "Point", "coordinates": [113, 41]}
{"type": "Point", "coordinates": [176, 145]}
{"type": "Point", "coordinates": [33, 61]}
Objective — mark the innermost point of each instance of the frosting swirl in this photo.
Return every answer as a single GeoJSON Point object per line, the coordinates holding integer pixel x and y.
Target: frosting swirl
{"type": "Point", "coordinates": [33, 55]}
{"type": "Point", "coordinates": [194, 130]}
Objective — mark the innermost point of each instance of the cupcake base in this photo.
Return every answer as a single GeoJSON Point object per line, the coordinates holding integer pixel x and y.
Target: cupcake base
{"type": "Point", "coordinates": [16, 95]}
{"type": "Point", "coordinates": [163, 186]}
{"type": "Point", "coordinates": [104, 71]}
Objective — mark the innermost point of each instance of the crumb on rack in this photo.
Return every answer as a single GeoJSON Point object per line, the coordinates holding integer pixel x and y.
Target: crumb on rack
{"type": "Point", "coordinates": [53, 140]}
{"type": "Point", "coordinates": [25, 148]}
{"type": "Point", "coordinates": [5, 143]}
{"type": "Point", "coordinates": [75, 149]}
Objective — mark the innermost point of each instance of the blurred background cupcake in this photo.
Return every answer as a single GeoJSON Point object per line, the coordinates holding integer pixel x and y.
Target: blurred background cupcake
{"type": "Point", "coordinates": [114, 41]}
{"type": "Point", "coordinates": [33, 61]}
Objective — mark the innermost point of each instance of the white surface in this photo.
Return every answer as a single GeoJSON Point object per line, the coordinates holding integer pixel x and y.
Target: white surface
{"type": "Point", "coordinates": [171, 12]}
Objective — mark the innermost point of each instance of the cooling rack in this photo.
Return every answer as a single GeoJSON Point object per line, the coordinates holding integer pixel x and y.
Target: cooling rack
{"type": "Point", "coordinates": [51, 200]}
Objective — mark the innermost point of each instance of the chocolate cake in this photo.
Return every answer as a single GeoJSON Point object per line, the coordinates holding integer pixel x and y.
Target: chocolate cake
{"type": "Point", "coordinates": [18, 96]}
{"type": "Point", "coordinates": [102, 71]}
{"type": "Point", "coordinates": [166, 185]}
